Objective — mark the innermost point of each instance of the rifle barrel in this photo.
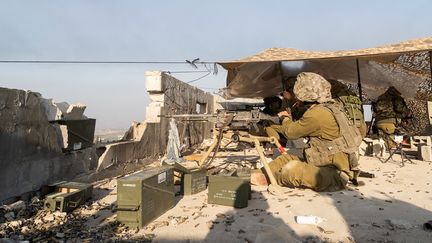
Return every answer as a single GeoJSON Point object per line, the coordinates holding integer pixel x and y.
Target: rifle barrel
{"type": "Point", "coordinates": [188, 115]}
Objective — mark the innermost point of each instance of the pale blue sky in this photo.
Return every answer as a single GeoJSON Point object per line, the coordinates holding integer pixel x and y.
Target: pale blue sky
{"type": "Point", "coordinates": [132, 30]}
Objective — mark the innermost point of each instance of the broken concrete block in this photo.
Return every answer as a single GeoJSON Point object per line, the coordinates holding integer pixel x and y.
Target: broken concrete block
{"type": "Point", "coordinates": [379, 148]}
{"type": "Point", "coordinates": [135, 132]}
{"type": "Point", "coordinates": [153, 81]}
{"type": "Point", "coordinates": [52, 110]}
{"type": "Point", "coordinates": [418, 140]}
{"type": "Point", "coordinates": [15, 207]}
{"type": "Point", "coordinates": [62, 110]}
{"type": "Point", "coordinates": [62, 106]}
{"type": "Point", "coordinates": [75, 112]}
{"type": "Point", "coordinates": [115, 152]}
{"type": "Point", "coordinates": [425, 153]}
{"type": "Point", "coordinates": [366, 147]}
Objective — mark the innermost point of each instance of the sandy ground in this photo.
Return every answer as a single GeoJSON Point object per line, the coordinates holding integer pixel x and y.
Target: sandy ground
{"type": "Point", "coordinates": [390, 208]}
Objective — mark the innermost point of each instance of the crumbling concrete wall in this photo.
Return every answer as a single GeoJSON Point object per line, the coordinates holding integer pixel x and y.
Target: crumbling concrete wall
{"type": "Point", "coordinates": [31, 147]}
{"type": "Point", "coordinates": [168, 96]}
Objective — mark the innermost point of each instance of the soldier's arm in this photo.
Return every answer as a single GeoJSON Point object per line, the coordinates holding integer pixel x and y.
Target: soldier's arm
{"type": "Point", "coordinates": [308, 125]}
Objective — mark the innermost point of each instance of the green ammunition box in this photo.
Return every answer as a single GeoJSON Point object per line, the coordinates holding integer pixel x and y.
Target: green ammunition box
{"type": "Point", "coordinates": [68, 196]}
{"type": "Point", "coordinates": [231, 189]}
{"type": "Point", "coordinates": [194, 181]}
{"type": "Point", "coordinates": [144, 196]}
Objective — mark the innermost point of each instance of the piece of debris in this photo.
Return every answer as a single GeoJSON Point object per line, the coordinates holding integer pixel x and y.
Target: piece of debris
{"type": "Point", "coordinates": [178, 220]}
{"type": "Point", "coordinates": [210, 224]}
{"type": "Point", "coordinates": [14, 207]}
{"type": "Point", "coordinates": [10, 216]}
{"type": "Point", "coordinates": [308, 219]}
{"type": "Point", "coordinates": [399, 224]}
{"type": "Point", "coordinates": [325, 231]}
{"type": "Point", "coordinates": [376, 225]}
{"type": "Point", "coordinates": [428, 225]}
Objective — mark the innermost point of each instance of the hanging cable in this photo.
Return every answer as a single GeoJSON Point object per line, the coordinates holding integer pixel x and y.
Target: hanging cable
{"type": "Point", "coordinates": [101, 62]}
{"type": "Point", "coordinates": [199, 78]}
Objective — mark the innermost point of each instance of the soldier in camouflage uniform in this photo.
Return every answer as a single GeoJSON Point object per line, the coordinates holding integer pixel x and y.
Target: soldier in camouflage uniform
{"type": "Point", "coordinates": [289, 103]}
{"type": "Point", "coordinates": [351, 103]}
{"type": "Point", "coordinates": [390, 110]}
{"type": "Point", "coordinates": [330, 157]}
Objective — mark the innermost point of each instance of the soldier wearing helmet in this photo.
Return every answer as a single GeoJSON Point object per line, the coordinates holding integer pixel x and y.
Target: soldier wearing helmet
{"type": "Point", "coordinates": [330, 155]}
{"type": "Point", "coordinates": [289, 103]}
{"type": "Point", "coordinates": [390, 111]}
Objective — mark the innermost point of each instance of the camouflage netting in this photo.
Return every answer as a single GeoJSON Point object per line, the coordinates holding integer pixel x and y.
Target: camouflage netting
{"type": "Point", "coordinates": [406, 66]}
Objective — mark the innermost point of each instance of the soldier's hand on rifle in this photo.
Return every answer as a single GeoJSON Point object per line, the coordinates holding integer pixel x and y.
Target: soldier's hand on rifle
{"type": "Point", "coordinates": [284, 114]}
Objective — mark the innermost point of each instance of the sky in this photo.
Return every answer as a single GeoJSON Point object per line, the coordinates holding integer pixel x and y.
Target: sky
{"type": "Point", "coordinates": [138, 30]}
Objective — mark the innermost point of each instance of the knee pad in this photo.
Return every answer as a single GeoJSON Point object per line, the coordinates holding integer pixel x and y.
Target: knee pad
{"type": "Point", "coordinates": [291, 165]}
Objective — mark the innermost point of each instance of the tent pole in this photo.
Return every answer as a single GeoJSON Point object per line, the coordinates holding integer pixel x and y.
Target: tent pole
{"type": "Point", "coordinates": [359, 83]}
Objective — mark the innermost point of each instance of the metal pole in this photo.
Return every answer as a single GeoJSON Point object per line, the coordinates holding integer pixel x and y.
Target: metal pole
{"type": "Point", "coordinates": [359, 84]}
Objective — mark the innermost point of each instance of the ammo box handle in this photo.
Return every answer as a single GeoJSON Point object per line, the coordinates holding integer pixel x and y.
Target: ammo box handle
{"type": "Point", "coordinates": [128, 208]}
{"type": "Point", "coordinates": [74, 204]}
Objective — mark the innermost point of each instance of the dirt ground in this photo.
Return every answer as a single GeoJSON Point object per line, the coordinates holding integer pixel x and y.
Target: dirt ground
{"type": "Point", "coordinates": [392, 207]}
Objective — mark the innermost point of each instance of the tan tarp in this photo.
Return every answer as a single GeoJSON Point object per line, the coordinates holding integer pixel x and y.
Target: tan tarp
{"type": "Point", "coordinates": [405, 65]}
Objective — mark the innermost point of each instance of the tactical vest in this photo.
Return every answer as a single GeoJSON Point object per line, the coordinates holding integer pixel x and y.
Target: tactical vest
{"type": "Point", "coordinates": [353, 108]}
{"type": "Point", "coordinates": [320, 151]}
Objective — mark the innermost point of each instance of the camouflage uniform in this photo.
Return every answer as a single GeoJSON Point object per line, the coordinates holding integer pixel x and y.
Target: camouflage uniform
{"type": "Point", "coordinates": [328, 166]}
{"type": "Point", "coordinates": [351, 103]}
{"type": "Point", "coordinates": [294, 105]}
{"type": "Point", "coordinates": [389, 110]}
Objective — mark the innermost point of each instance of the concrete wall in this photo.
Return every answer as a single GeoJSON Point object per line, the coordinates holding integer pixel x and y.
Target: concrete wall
{"type": "Point", "coordinates": [168, 96]}
{"type": "Point", "coordinates": [30, 147]}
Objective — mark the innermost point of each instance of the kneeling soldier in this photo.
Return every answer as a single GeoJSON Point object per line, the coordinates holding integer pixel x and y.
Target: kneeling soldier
{"type": "Point", "coordinates": [330, 155]}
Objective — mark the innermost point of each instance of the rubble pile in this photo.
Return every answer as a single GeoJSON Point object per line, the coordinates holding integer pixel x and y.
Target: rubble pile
{"type": "Point", "coordinates": [34, 223]}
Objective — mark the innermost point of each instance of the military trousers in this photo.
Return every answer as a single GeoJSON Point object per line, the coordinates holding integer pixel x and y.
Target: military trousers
{"type": "Point", "coordinates": [386, 131]}
{"type": "Point", "coordinates": [291, 172]}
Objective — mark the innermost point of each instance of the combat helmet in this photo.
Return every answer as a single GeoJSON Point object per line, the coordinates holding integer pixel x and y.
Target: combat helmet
{"type": "Point", "coordinates": [312, 87]}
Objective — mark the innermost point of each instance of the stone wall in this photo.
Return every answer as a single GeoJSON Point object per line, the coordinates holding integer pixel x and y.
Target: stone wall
{"type": "Point", "coordinates": [168, 96]}
{"type": "Point", "coordinates": [31, 147]}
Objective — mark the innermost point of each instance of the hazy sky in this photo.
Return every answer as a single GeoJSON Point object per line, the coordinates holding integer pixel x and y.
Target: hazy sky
{"type": "Point", "coordinates": [128, 30]}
